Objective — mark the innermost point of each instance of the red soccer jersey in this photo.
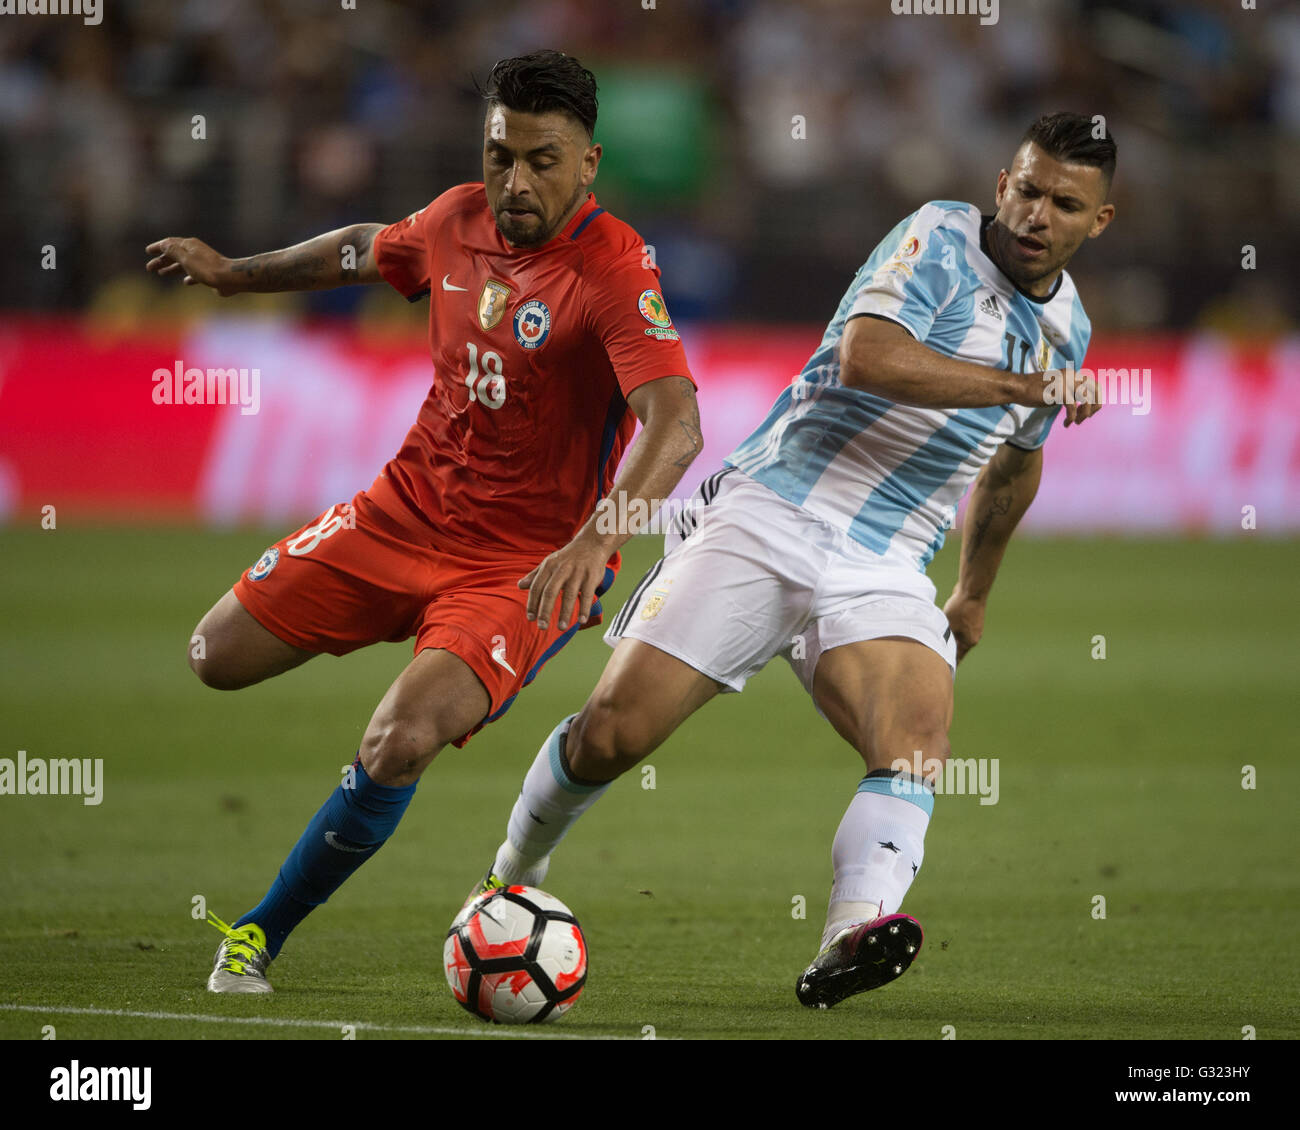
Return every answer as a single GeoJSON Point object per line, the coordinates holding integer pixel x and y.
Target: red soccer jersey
{"type": "Point", "coordinates": [534, 351]}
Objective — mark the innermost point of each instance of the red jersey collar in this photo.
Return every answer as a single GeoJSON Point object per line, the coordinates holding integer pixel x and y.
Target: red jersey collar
{"type": "Point", "coordinates": [586, 210]}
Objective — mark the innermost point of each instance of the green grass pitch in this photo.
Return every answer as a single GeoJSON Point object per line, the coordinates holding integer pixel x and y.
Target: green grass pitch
{"type": "Point", "coordinates": [1119, 777]}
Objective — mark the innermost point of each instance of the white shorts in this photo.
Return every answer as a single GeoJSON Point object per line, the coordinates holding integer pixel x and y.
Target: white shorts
{"type": "Point", "coordinates": [756, 576]}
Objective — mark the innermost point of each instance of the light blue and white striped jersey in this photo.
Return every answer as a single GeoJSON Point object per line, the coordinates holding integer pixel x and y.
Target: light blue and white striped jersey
{"type": "Point", "coordinates": [888, 474]}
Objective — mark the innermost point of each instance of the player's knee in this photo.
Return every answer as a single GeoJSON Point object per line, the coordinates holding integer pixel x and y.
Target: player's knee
{"type": "Point", "coordinates": [604, 741]}
{"type": "Point", "coordinates": [212, 659]}
{"type": "Point", "coordinates": [396, 751]}
{"type": "Point", "coordinates": [213, 671]}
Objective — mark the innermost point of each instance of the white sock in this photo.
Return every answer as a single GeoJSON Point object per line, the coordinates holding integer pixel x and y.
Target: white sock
{"type": "Point", "coordinates": [513, 869]}
{"type": "Point", "coordinates": [878, 849]}
{"type": "Point", "coordinates": [549, 805]}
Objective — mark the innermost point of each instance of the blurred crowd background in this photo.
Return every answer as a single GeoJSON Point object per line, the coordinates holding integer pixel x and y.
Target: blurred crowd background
{"type": "Point", "coordinates": [317, 115]}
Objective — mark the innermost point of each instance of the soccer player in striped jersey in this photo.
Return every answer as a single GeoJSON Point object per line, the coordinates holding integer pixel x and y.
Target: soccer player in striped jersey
{"type": "Point", "coordinates": [947, 361]}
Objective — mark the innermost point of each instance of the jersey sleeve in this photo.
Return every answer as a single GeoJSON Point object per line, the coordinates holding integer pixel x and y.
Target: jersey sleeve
{"type": "Point", "coordinates": [913, 273]}
{"type": "Point", "coordinates": [402, 253]}
{"type": "Point", "coordinates": [627, 312]}
{"type": "Point", "coordinates": [1032, 434]}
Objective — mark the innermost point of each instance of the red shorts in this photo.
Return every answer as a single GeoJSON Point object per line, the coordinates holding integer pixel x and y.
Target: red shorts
{"type": "Point", "coordinates": [359, 575]}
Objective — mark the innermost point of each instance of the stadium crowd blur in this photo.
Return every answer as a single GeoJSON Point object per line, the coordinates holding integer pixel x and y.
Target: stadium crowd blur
{"type": "Point", "coordinates": [316, 115]}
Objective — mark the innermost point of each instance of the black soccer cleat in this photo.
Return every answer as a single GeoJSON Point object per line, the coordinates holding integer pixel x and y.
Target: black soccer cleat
{"type": "Point", "coordinates": [859, 958]}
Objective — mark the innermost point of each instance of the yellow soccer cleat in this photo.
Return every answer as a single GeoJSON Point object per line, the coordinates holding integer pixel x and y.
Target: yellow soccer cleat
{"type": "Point", "coordinates": [242, 960]}
{"type": "Point", "coordinates": [489, 882]}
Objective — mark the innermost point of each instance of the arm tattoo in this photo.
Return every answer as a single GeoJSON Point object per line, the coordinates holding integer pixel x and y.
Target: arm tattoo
{"type": "Point", "coordinates": [695, 441]}
{"type": "Point", "coordinates": [691, 425]}
{"type": "Point", "coordinates": [309, 266]}
{"type": "Point", "coordinates": [1000, 505]}
{"type": "Point", "coordinates": [359, 238]}
{"type": "Point", "coordinates": [300, 272]}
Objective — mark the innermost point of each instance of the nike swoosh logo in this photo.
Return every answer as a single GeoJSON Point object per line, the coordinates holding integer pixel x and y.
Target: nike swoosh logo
{"type": "Point", "coordinates": [451, 286]}
{"type": "Point", "coordinates": [536, 817]}
{"type": "Point", "coordinates": [332, 839]}
{"type": "Point", "coordinates": [499, 655]}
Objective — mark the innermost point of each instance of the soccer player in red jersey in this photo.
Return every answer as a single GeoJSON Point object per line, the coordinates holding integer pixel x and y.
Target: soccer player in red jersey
{"type": "Point", "coordinates": [549, 338]}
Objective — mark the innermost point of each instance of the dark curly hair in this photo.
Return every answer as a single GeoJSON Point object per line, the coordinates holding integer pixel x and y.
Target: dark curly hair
{"type": "Point", "coordinates": [541, 82]}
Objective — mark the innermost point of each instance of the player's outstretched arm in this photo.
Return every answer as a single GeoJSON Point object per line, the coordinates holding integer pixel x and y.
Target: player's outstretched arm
{"type": "Point", "coordinates": [670, 440]}
{"type": "Point", "coordinates": [334, 259]}
{"type": "Point", "coordinates": [880, 356]}
{"type": "Point", "coordinates": [1001, 495]}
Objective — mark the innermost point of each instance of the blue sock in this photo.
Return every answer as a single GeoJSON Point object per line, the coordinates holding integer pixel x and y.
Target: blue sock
{"type": "Point", "coordinates": [350, 827]}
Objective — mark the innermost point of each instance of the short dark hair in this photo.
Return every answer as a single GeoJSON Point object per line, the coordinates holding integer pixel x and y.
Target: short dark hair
{"type": "Point", "coordinates": [544, 81]}
{"type": "Point", "coordinates": [1069, 138]}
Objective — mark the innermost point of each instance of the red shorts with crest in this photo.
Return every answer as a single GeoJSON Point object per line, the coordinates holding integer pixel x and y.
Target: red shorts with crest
{"type": "Point", "coordinates": [359, 574]}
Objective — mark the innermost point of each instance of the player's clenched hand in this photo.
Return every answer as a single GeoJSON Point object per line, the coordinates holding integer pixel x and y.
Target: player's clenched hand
{"type": "Point", "coordinates": [966, 618]}
{"type": "Point", "coordinates": [195, 260]}
{"type": "Point", "coordinates": [568, 576]}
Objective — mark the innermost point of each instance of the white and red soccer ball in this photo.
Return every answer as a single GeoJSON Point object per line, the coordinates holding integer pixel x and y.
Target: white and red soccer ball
{"type": "Point", "coordinates": [516, 955]}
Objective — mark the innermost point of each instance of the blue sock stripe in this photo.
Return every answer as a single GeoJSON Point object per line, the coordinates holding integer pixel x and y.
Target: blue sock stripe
{"type": "Point", "coordinates": [903, 786]}
{"type": "Point", "coordinates": [562, 778]}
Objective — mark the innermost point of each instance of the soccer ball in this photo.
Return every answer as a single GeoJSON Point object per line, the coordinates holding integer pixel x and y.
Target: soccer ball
{"type": "Point", "coordinates": [515, 955]}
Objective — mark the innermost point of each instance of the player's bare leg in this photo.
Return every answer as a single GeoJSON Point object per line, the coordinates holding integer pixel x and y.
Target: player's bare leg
{"type": "Point", "coordinates": [643, 695]}
{"type": "Point", "coordinates": [230, 649]}
{"type": "Point", "coordinates": [891, 699]}
{"type": "Point", "coordinates": [435, 700]}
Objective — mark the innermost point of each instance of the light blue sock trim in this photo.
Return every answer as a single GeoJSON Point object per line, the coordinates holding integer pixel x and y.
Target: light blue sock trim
{"type": "Point", "coordinates": [562, 778]}
{"type": "Point", "coordinates": [901, 785]}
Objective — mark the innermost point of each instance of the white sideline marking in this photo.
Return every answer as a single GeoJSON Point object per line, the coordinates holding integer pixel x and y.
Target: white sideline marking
{"type": "Point", "coordinates": [337, 1025]}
